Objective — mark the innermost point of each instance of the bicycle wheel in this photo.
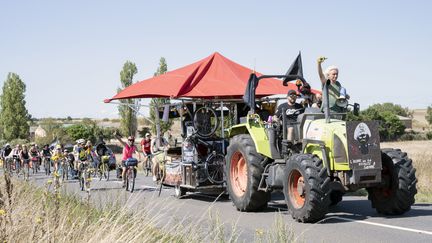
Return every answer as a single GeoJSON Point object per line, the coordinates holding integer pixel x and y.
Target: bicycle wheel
{"type": "Point", "coordinates": [65, 170]}
{"type": "Point", "coordinates": [131, 179]}
{"type": "Point", "coordinates": [215, 168]}
{"type": "Point", "coordinates": [17, 167]}
{"type": "Point", "coordinates": [81, 180]}
{"type": "Point", "coordinates": [205, 121]}
{"type": "Point", "coordinates": [46, 166]}
{"type": "Point", "coordinates": [107, 172]}
{"type": "Point", "coordinates": [26, 171]}
{"type": "Point", "coordinates": [87, 180]}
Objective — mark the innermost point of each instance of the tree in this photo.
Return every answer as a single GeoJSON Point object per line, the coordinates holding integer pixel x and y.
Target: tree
{"type": "Point", "coordinates": [159, 102]}
{"type": "Point", "coordinates": [390, 128]}
{"type": "Point", "coordinates": [128, 123]}
{"type": "Point", "coordinates": [14, 116]}
{"type": "Point", "coordinates": [393, 108]}
{"type": "Point", "coordinates": [89, 130]}
{"type": "Point", "coordinates": [429, 115]}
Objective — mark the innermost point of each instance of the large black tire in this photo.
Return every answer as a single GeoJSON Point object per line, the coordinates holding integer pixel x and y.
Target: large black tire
{"type": "Point", "coordinates": [335, 197]}
{"type": "Point", "coordinates": [396, 194]}
{"type": "Point", "coordinates": [244, 171]}
{"type": "Point", "coordinates": [306, 188]}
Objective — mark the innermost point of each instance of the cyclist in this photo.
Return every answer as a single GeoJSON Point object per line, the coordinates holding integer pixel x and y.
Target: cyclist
{"type": "Point", "coordinates": [57, 156]}
{"type": "Point", "coordinates": [34, 155]}
{"type": "Point", "coordinates": [5, 154]}
{"type": "Point", "coordinates": [102, 153]}
{"type": "Point", "coordinates": [145, 146]}
{"type": "Point", "coordinates": [91, 154]}
{"type": "Point", "coordinates": [24, 156]}
{"type": "Point", "coordinates": [128, 149]}
{"type": "Point", "coordinates": [159, 152]}
{"type": "Point", "coordinates": [46, 155]}
{"type": "Point", "coordinates": [15, 154]}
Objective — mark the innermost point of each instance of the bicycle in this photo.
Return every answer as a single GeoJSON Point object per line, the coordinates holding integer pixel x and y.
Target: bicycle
{"type": "Point", "coordinates": [104, 167]}
{"type": "Point", "coordinates": [8, 165]}
{"type": "Point", "coordinates": [47, 165]}
{"type": "Point", "coordinates": [35, 164]}
{"type": "Point", "coordinates": [130, 174]}
{"type": "Point", "coordinates": [65, 169]}
{"type": "Point", "coordinates": [84, 175]}
{"type": "Point", "coordinates": [148, 165]}
{"type": "Point", "coordinates": [26, 169]}
{"type": "Point", "coordinates": [17, 164]}
{"type": "Point", "coordinates": [205, 121]}
{"type": "Point", "coordinates": [212, 164]}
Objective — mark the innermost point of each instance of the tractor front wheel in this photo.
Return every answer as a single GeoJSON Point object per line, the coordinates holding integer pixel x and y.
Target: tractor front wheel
{"type": "Point", "coordinates": [244, 173]}
{"type": "Point", "coordinates": [396, 194]}
{"type": "Point", "coordinates": [306, 188]}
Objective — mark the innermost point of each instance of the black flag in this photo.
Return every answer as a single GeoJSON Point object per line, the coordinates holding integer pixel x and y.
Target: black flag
{"type": "Point", "coordinates": [295, 71]}
{"type": "Point", "coordinates": [249, 96]}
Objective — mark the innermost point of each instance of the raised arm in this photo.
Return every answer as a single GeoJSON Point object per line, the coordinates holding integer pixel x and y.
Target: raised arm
{"type": "Point", "coordinates": [320, 71]}
{"type": "Point", "coordinates": [116, 135]}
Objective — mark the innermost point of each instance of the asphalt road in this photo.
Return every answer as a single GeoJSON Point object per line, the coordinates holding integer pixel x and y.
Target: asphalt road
{"type": "Point", "coordinates": [353, 219]}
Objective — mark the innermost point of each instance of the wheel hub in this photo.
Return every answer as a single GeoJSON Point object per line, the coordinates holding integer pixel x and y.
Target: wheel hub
{"type": "Point", "coordinates": [300, 187]}
{"type": "Point", "coordinates": [297, 189]}
{"type": "Point", "coordinates": [238, 174]}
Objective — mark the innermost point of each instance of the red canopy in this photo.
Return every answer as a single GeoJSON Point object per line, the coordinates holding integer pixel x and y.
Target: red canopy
{"type": "Point", "coordinates": [210, 78]}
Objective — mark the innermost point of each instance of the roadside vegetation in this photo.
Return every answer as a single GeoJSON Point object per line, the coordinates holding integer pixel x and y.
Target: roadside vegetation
{"type": "Point", "coordinates": [33, 214]}
{"type": "Point", "coordinates": [421, 155]}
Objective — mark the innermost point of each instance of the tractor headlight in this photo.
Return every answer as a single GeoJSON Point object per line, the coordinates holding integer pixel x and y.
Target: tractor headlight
{"type": "Point", "coordinates": [339, 152]}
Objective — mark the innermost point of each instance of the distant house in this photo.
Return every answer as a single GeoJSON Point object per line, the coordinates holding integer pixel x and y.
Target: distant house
{"type": "Point", "coordinates": [40, 132]}
{"type": "Point", "coordinates": [407, 121]}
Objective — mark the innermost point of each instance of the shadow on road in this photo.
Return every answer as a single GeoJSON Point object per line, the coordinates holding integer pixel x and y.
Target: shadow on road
{"type": "Point", "coordinates": [206, 197]}
{"type": "Point", "coordinates": [361, 210]}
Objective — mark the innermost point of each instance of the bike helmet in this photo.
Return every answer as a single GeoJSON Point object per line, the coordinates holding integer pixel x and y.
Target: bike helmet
{"type": "Point", "coordinates": [58, 146]}
{"type": "Point", "coordinates": [80, 141]}
{"type": "Point", "coordinates": [7, 145]}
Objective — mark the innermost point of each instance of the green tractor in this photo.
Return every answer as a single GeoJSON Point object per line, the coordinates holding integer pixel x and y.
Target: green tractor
{"type": "Point", "coordinates": [330, 157]}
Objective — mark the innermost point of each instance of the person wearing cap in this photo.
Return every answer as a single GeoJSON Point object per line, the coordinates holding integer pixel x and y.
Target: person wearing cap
{"type": "Point", "coordinates": [159, 148]}
{"type": "Point", "coordinates": [290, 107]}
{"type": "Point", "coordinates": [57, 156]}
{"type": "Point", "coordinates": [145, 147]}
{"type": "Point", "coordinates": [129, 149]}
{"type": "Point", "coordinates": [6, 151]}
{"type": "Point", "coordinates": [308, 98]}
{"type": "Point", "coordinates": [336, 91]}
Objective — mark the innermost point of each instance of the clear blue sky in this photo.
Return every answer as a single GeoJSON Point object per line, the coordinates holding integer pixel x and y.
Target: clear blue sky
{"type": "Point", "coordinates": [70, 53]}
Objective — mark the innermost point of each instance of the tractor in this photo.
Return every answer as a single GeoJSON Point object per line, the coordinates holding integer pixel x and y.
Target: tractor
{"type": "Point", "coordinates": [329, 157]}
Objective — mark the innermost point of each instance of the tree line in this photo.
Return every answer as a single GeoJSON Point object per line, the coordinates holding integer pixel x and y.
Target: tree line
{"type": "Point", "coordinates": [15, 119]}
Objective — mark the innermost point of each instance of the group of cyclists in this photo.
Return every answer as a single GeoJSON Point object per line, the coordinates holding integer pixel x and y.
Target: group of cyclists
{"type": "Point", "coordinates": [83, 158]}
{"type": "Point", "coordinates": [20, 159]}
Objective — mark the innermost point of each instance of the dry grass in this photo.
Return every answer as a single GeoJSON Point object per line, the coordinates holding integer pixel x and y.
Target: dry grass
{"type": "Point", "coordinates": [32, 214]}
{"type": "Point", "coordinates": [421, 154]}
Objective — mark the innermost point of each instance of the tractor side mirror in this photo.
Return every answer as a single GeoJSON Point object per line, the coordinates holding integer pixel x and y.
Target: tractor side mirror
{"type": "Point", "coordinates": [356, 109]}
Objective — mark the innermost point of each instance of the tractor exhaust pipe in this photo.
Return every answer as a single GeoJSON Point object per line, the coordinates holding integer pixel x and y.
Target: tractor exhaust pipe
{"type": "Point", "coordinates": [326, 99]}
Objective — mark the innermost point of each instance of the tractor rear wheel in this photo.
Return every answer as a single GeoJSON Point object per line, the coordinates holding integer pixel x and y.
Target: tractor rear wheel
{"type": "Point", "coordinates": [335, 197]}
{"type": "Point", "coordinates": [306, 188]}
{"type": "Point", "coordinates": [244, 173]}
{"type": "Point", "coordinates": [396, 195]}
